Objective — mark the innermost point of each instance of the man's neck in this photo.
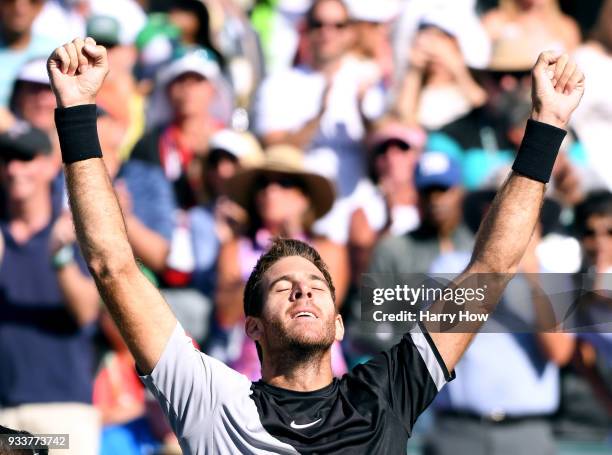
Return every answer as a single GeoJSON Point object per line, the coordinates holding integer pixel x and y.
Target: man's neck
{"type": "Point", "coordinates": [29, 217]}
{"type": "Point", "coordinates": [16, 41]}
{"type": "Point", "coordinates": [304, 376]}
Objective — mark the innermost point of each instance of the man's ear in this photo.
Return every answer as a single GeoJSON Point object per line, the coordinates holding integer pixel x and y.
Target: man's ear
{"type": "Point", "coordinates": [339, 328]}
{"type": "Point", "coordinates": [253, 328]}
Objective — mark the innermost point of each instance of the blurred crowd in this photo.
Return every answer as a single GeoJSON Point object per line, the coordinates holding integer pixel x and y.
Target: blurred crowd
{"type": "Point", "coordinates": [378, 131]}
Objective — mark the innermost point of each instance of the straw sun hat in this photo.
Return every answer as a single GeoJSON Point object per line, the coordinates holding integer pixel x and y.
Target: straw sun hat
{"type": "Point", "coordinates": [287, 161]}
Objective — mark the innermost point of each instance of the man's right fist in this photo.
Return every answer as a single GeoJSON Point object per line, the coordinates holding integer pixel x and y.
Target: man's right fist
{"type": "Point", "coordinates": [557, 87]}
{"type": "Point", "coordinates": [77, 71]}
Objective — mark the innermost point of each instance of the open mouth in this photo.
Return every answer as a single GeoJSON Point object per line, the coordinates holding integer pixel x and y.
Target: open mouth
{"type": "Point", "coordinates": [304, 314]}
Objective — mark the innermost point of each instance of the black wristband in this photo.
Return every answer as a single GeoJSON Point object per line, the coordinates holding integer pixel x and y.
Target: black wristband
{"type": "Point", "coordinates": [78, 132]}
{"type": "Point", "coordinates": [538, 151]}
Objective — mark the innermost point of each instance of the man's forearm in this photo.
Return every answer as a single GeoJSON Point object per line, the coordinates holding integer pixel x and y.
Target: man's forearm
{"type": "Point", "coordinates": [505, 232]}
{"type": "Point", "coordinates": [501, 242]}
{"type": "Point", "coordinates": [97, 218]}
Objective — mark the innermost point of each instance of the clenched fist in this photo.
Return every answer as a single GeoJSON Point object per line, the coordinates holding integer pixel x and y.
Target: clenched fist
{"type": "Point", "coordinates": [77, 71]}
{"type": "Point", "coordinates": [557, 87]}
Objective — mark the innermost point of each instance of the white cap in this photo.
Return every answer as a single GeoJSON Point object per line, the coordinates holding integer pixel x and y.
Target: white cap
{"type": "Point", "coordinates": [464, 25]}
{"type": "Point", "coordinates": [379, 11]}
{"type": "Point", "coordinates": [34, 71]}
{"type": "Point", "coordinates": [128, 13]}
{"type": "Point", "coordinates": [235, 143]}
{"type": "Point", "coordinates": [199, 61]}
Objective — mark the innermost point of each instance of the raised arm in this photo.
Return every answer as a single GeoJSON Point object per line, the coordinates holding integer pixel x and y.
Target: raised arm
{"type": "Point", "coordinates": [504, 234]}
{"type": "Point", "coordinates": [76, 71]}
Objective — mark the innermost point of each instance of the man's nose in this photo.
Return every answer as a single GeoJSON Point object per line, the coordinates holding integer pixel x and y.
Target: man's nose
{"type": "Point", "coordinates": [301, 291]}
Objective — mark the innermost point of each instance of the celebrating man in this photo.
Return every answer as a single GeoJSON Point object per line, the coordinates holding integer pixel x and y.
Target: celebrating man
{"type": "Point", "coordinates": [298, 407]}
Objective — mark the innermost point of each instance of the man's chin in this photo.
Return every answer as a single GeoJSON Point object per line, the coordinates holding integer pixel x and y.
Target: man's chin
{"type": "Point", "coordinates": [303, 339]}
{"type": "Point", "coordinates": [308, 340]}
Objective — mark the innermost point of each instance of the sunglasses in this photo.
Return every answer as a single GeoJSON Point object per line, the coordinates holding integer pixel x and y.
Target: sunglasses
{"type": "Point", "coordinates": [286, 182]}
{"type": "Point", "coordinates": [8, 157]}
{"type": "Point", "coordinates": [427, 191]}
{"type": "Point", "coordinates": [593, 233]}
{"type": "Point", "coordinates": [382, 148]}
{"type": "Point", "coordinates": [318, 25]}
{"type": "Point", "coordinates": [215, 156]}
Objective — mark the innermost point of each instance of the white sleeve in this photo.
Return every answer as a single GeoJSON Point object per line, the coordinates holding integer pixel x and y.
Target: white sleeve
{"type": "Point", "coordinates": [190, 385]}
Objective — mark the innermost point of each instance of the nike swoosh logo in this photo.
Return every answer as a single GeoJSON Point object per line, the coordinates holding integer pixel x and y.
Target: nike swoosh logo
{"type": "Point", "coordinates": [298, 426]}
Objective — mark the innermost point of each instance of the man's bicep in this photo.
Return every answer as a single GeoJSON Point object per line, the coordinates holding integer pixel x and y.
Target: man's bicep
{"type": "Point", "coordinates": [142, 315]}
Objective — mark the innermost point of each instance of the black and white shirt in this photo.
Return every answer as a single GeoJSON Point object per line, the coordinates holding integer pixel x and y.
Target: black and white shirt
{"type": "Point", "coordinates": [215, 410]}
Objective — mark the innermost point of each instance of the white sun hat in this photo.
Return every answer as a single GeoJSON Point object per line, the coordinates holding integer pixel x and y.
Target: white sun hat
{"type": "Point", "coordinates": [379, 11]}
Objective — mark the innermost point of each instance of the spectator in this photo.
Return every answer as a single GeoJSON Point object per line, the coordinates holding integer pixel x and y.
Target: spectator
{"type": "Point", "coordinates": [592, 119]}
{"type": "Point", "coordinates": [282, 199]}
{"type": "Point", "coordinates": [200, 231]}
{"type": "Point", "coordinates": [593, 225]}
{"type": "Point", "coordinates": [185, 93]}
{"type": "Point", "coordinates": [586, 394]}
{"type": "Point", "coordinates": [156, 43]}
{"type": "Point", "coordinates": [182, 119]}
{"type": "Point", "coordinates": [48, 302]}
{"type": "Point", "coordinates": [372, 24]}
{"type": "Point", "coordinates": [485, 410]}
{"type": "Point", "coordinates": [240, 47]}
{"type": "Point", "coordinates": [325, 117]}
{"type": "Point", "coordinates": [192, 19]}
{"type": "Point", "coordinates": [17, 42]}
{"type": "Point", "coordinates": [437, 87]}
{"type": "Point", "coordinates": [486, 138]}
{"type": "Point", "coordinates": [129, 13]}
{"type": "Point", "coordinates": [441, 230]}
{"type": "Point", "coordinates": [536, 25]}
{"type": "Point", "coordinates": [472, 38]}
{"type": "Point", "coordinates": [219, 220]}
{"type": "Point", "coordinates": [32, 99]}
{"type": "Point", "coordinates": [61, 20]}
{"type": "Point", "coordinates": [278, 26]}
{"type": "Point", "coordinates": [394, 151]}
{"type": "Point", "coordinates": [438, 180]}
{"type": "Point", "coordinates": [120, 396]}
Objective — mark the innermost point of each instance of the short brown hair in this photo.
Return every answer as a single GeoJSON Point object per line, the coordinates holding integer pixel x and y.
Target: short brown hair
{"type": "Point", "coordinates": [281, 248]}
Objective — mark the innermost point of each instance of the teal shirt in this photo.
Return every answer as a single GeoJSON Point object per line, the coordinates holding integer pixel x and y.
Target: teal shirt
{"type": "Point", "coordinates": [11, 62]}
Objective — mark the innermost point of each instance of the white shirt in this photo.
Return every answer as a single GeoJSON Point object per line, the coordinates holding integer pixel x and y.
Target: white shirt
{"type": "Point", "coordinates": [592, 120]}
{"type": "Point", "coordinates": [288, 99]}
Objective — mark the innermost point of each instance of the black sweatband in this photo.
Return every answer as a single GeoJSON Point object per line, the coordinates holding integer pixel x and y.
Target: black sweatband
{"type": "Point", "coordinates": [78, 133]}
{"type": "Point", "coordinates": [538, 152]}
